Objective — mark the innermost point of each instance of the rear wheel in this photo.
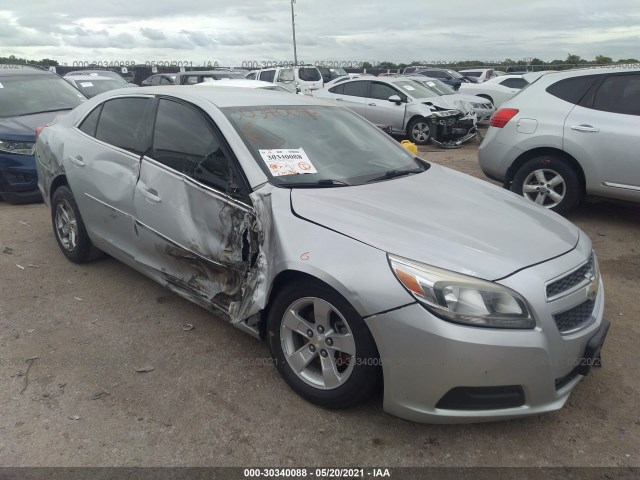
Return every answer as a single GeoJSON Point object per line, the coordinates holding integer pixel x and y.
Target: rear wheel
{"type": "Point", "coordinates": [550, 182]}
{"type": "Point", "coordinates": [419, 131]}
{"type": "Point", "coordinates": [69, 228]}
{"type": "Point", "coordinates": [321, 346]}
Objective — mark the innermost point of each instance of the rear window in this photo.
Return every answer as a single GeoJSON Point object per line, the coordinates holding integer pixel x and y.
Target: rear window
{"type": "Point", "coordinates": [309, 74]}
{"type": "Point", "coordinates": [514, 83]}
{"type": "Point", "coordinates": [572, 89]}
{"type": "Point", "coordinates": [93, 87]}
{"type": "Point", "coordinates": [31, 94]}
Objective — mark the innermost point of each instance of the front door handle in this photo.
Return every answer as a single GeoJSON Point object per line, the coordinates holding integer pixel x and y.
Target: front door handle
{"type": "Point", "coordinates": [371, 104]}
{"type": "Point", "coordinates": [585, 128]}
{"type": "Point", "coordinates": [151, 194]}
{"type": "Point", "coordinates": [78, 161]}
{"type": "Point", "coordinates": [339, 99]}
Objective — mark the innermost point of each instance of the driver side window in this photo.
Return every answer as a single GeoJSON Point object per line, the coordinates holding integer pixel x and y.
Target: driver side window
{"type": "Point", "coordinates": [184, 141]}
{"type": "Point", "coordinates": [382, 91]}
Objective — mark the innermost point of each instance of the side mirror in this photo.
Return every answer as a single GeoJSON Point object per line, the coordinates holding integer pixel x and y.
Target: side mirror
{"type": "Point", "coordinates": [395, 99]}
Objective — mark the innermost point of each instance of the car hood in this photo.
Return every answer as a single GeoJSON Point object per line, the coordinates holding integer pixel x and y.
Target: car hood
{"type": "Point", "coordinates": [448, 102]}
{"type": "Point", "coordinates": [24, 126]}
{"type": "Point", "coordinates": [442, 218]}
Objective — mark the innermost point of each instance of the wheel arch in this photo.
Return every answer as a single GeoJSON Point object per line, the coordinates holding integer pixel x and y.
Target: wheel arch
{"type": "Point", "coordinates": [537, 152]}
{"type": "Point", "coordinates": [58, 182]}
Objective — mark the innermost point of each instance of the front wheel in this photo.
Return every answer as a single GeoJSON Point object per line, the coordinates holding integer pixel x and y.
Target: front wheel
{"type": "Point", "coordinates": [550, 182]}
{"type": "Point", "coordinates": [321, 346]}
{"type": "Point", "coordinates": [419, 131]}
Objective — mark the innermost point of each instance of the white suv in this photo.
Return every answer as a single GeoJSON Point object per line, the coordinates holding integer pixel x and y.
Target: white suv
{"type": "Point", "coordinates": [569, 134]}
{"type": "Point", "coordinates": [302, 79]}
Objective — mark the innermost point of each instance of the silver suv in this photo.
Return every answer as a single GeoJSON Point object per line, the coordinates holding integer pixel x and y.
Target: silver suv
{"type": "Point", "coordinates": [567, 135]}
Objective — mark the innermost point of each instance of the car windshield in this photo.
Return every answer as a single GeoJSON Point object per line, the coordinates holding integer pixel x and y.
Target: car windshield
{"type": "Point", "coordinates": [454, 74]}
{"type": "Point", "coordinates": [29, 94]}
{"type": "Point", "coordinates": [438, 87]}
{"type": "Point", "coordinates": [471, 74]}
{"type": "Point", "coordinates": [278, 88]}
{"type": "Point", "coordinates": [309, 74]}
{"type": "Point", "coordinates": [338, 72]}
{"type": "Point", "coordinates": [414, 88]}
{"type": "Point", "coordinates": [307, 146]}
{"type": "Point", "coordinates": [93, 86]}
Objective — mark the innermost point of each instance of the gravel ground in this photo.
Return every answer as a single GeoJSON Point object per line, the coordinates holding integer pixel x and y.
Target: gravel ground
{"type": "Point", "coordinates": [209, 399]}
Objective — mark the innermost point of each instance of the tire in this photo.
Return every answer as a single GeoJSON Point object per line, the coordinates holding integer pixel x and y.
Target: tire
{"type": "Point", "coordinates": [331, 373]}
{"type": "Point", "coordinates": [419, 131]}
{"type": "Point", "coordinates": [69, 229]}
{"type": "Point", "coordinates": [549, 181]}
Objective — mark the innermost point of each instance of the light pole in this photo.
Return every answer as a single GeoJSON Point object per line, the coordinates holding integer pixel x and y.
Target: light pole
{"type": "Point", "coordinates": [293, 25]}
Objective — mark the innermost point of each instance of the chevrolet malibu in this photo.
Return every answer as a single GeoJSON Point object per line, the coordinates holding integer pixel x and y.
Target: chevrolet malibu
{"type": "Point", "coordinates": [301, 223]}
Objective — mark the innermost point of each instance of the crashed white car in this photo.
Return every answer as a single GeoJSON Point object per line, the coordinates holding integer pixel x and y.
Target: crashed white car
{"type": "Point", "coordinates": [407, 107]}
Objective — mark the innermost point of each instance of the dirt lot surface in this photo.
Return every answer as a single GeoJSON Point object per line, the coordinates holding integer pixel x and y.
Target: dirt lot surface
{"type": "Point", "coordinates": [208, 401]}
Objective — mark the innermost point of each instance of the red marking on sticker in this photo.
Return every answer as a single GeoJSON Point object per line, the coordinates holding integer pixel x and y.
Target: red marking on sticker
{"type": "Point", "coordinates": [304, 256]}
{"type": "Point", "coordinates": [304, 166]}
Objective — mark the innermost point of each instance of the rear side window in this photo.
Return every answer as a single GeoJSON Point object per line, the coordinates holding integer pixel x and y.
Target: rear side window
{"type": "Point", "coordinates": [337, 89]}
{"type": "Point", "coordinates": [619, 94]}
{"type": "Point", "coordinates": [572, 89]}
{"type": "Point", "coordinates": [355, 89]}
{"type": "Point", "coordinates": [382, 91]}
{"type": "Point", "coordinates": [267, 75]}
{"type": "Point", "coordinates": [514, 83]}
{"type": "Point", "coordinates": [184, 141]}
{"type": "Point", "coordinates": [166, 81]}
{"type": "Point", "coordinates": [90, 122]}
{"type": "Point", "coordinates": [121, 124]}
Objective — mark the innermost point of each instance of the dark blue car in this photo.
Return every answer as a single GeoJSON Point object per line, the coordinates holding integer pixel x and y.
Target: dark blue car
{"type": "Point", "coordinates": [29, 97]}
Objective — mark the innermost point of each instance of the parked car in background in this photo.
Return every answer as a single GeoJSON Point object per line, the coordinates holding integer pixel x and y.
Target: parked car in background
{"type": "Point", "coordinates": [29, 97]}
{"type": "Point", "coordinates": [193, 77]}
{"type": "Point", "coordinates": [498, 89]}
{"type": "Point", "coordinates": [103, 73]}
{"type": "Point", "coordinates": [360, 263]}
{"type": "Point", "coordinates": [480, 74]}
{"type": "Point", "coordinates": [569, 134]}
{"type": "Point", "coordinates": [481, 106]}
{"type": "Point", "coordinates": [92, 85]}
{"type": "Point", "coordinates": [446, 75]}
{"type": "Point", "coordinates": [413, 69]}
{"type": "Point", "coordinates": [329, 74]}
{"type": "Point", "coordinates": [243, 83]}
{"type": "Point", "coordinates": [159, 79]}
{"type": "Point", "coordinates": [408, 107]}
{"type": "Point", "coordinates": [302, 79]}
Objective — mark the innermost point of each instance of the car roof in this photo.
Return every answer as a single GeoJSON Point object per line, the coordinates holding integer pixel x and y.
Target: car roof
{"type": "Point", "coordinates": [223, 96]}
{"type": "Point", "coordinates": [237, 82]}
{"type": "Point", "coordinates": [75, 73]}
{"type": "Point", "coordinates": [9, 70]}
{"type": "Point", "coordinates": [89, 77]}
{"type": "Point", "coordinates": [475, 69]}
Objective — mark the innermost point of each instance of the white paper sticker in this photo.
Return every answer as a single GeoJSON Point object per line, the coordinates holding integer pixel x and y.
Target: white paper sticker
{"type": "Point", "coordinates": [288, 161]}
{"type": "Point", "coordinates": [154, 69]}
{"type": "Point", "coordinates": [86, 84]}
{"type": "Point", "coordinates": [1, 86]}
{"type": "Point", "coordinates": [94, 74]}
{"type": "Point", "coordinates": [124, 70]}
{"type": "Point", "coordinates": [408, 87]}
{"type": "Point", "coordinates": [431, 84]}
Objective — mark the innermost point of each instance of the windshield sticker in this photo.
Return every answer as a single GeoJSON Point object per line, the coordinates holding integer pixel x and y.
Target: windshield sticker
{"type": "Point", "coordinates": [408, 87]}
{"type": "Point", "coordinates": [1, 86]}
{"type": "Point", "coordinates": [431, 84]}
{"type": "Point", "coordinates": [86, 84]}
{"type": "Point", "coordinates": [289, 161]}
{"type": "Point", "coordinates": [93, 74]}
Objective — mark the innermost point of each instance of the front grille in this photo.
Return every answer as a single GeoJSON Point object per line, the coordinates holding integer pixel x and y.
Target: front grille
{"type": "Point", "coordinates": [573, 279]}
{"type": "Point", "coordinates": [576, 317]}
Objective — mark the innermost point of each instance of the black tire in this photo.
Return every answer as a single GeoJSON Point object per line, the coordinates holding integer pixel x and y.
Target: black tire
{"type": "Point", "coordinates": [81, 250]}
{"type": "Point", "coordinates": [552, 167]}
{"type": "Point", "coordinates": [363, 365]}
{"type": "Point", "coordinates": [420, 136]}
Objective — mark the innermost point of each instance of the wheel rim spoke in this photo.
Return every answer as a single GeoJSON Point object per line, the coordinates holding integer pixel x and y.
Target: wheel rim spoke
{"type": "Point", "coordinates": [301, 358]}
{"type": "Point", "coordinates": [540, 198]}
{"type": "Point", "coordinates": [556, 197]}
{"type": "Point", "coordinates": [555, 181]}
{"type": "Point", "coordinates": [540, 177]}
{"type": "Point", "coordinates": [321, 312]}
{"type": "Point", "coordinates": [530, 189]}
{"type": "Point", "coordinates": [344, 343]}
{"type": "Point", "coordinates": [330, 373]}
{"type": "Point", "coordinates": [296, 323]}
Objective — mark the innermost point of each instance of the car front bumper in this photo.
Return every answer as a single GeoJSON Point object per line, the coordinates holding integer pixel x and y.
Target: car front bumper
{"type": "Point", "coordinates": [18, 175]}
{"type": "Point", "coordinates": [426, 361]}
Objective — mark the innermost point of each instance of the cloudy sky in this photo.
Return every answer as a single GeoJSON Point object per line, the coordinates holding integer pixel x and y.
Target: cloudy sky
{"type": "Point", "coordinates": [232, 32]}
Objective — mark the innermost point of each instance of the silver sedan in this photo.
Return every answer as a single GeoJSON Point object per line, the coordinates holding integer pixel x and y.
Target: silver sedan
{"type": "Point", "coordinates": [301, 223]}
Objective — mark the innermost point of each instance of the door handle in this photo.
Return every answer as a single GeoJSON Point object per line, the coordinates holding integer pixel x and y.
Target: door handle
{"type": "Point", "coordinates": [77, 161]}
{"type": "Point", "coordinates": [151, 194]}
{"type": "Point", "coordinates": [339, 99]}
{"type": "Point", "coordinates": [371, 104]}
{"type": "Point", "coordinates": [585, 128]}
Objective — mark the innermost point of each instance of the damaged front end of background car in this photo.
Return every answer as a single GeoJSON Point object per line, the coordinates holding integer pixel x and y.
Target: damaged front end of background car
{"type": "Point", "coordinates": [451, 128]}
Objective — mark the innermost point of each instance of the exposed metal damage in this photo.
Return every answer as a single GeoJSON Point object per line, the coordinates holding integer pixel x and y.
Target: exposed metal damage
{"type": "Point", "coordinates": [452, 128]}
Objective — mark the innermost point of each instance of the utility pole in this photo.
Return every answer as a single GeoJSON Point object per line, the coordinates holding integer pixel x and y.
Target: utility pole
{"type": "Point", "coordinates": [293, 25]}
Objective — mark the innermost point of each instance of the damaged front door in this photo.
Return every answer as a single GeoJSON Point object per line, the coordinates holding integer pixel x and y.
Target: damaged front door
{"type": "Point", "coordinates": [191, 234]}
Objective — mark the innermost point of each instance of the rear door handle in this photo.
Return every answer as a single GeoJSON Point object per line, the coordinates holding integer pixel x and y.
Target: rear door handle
{"type": "Point", "coordinates": [371, 104]}
{"type": "Point", "coordinates": [78, 161]}
{"type": "Point", "coordinates": [151, 194]}
{"type": "Point", "coordinates": [585, 128]}
{"type": "Point", "coordinates": [339, 99]}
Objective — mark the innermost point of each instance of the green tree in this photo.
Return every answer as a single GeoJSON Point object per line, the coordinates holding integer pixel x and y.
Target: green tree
{"type": "Point", "coordinates": [602, 60]}
{"type": "Point", "coordinates": [573, 59]}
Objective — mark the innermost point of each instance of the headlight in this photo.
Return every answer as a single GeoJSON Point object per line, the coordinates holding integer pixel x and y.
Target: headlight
{"type": "Point", "coordinates": [462, 299]}
{"type": "Point", "coordinates": [19, 148]}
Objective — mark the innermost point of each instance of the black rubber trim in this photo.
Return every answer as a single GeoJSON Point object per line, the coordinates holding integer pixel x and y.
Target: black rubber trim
{"type": "Point", "coordinates": [482, 398]}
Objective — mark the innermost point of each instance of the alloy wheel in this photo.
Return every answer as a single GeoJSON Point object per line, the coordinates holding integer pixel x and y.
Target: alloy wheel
{"type": "Point", "coordinates": [545, 187]}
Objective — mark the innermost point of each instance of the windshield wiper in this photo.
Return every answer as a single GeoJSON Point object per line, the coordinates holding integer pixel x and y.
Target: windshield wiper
{"type": "Point", "coordinates": [396, 173]}
{"type": "Point", "coordinates": [327, 182]}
